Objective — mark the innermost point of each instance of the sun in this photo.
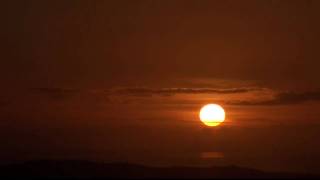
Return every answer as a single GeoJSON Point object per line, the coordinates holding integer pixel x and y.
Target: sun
{"type": "Point", "coordinates": [212, 114]}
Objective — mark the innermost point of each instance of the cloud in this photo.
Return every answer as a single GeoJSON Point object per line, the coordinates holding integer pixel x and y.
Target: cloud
{"type": "Point", "coordinates": [112, 94]}
{"type": "Point", "coordinates": [284, 98]}
{"type": "Point", "coordinates": [141, 91]}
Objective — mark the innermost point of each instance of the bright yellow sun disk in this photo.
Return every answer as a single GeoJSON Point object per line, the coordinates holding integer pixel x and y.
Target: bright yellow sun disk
{"type": "Point", "coordinates": [212, 114]}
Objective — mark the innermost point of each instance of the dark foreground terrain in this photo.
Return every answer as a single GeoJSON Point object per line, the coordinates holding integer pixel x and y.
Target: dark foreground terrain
{"type": "Point", "coordinates": [85, 169]}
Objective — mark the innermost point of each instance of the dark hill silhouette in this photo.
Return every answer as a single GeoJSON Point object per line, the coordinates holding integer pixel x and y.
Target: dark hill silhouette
{"type": "Point", "coordinates": [84, 169]}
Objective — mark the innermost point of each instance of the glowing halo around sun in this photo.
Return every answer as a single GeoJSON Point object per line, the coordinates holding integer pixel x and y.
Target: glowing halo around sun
{"type": "Point", "coordinates": [212, 114]}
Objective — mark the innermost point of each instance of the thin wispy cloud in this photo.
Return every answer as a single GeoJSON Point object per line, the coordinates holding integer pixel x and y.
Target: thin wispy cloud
{"type": "Point", "coordinates": [174, 91]}
{"type": "Point", "coordinates": [148, 91]}
{"type": "Point", "coordinates": [283, 98]}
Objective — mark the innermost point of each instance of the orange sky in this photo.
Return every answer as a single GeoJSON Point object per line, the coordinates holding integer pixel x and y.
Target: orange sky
{"type": "Point", "coordinates": [125, 80]}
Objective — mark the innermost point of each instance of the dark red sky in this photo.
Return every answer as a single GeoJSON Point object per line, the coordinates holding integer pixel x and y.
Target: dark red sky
{"type": "Point", "coordinates": [124, 81]}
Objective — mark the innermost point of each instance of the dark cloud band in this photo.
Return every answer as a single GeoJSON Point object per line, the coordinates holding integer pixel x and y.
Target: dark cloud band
{"type": "Point", "coordinates": [173, 91]}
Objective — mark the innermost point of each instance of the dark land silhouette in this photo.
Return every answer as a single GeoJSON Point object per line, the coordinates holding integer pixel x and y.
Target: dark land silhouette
{"type": "Point", "coordinates": [90, 169]}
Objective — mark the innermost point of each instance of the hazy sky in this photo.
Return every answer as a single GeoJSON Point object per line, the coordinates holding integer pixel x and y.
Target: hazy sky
{"type": "Point", "coordinates": [124, 81]}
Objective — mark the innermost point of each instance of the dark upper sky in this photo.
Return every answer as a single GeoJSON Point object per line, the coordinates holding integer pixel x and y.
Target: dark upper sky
{"type": "Point", "coordinates": [107, 43]}
{"type": "Point", "coordinates": [114, 78]}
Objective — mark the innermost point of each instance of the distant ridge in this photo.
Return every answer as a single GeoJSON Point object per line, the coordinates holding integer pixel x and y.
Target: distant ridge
{"type": "Point", "coordinates": [90, 169]}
